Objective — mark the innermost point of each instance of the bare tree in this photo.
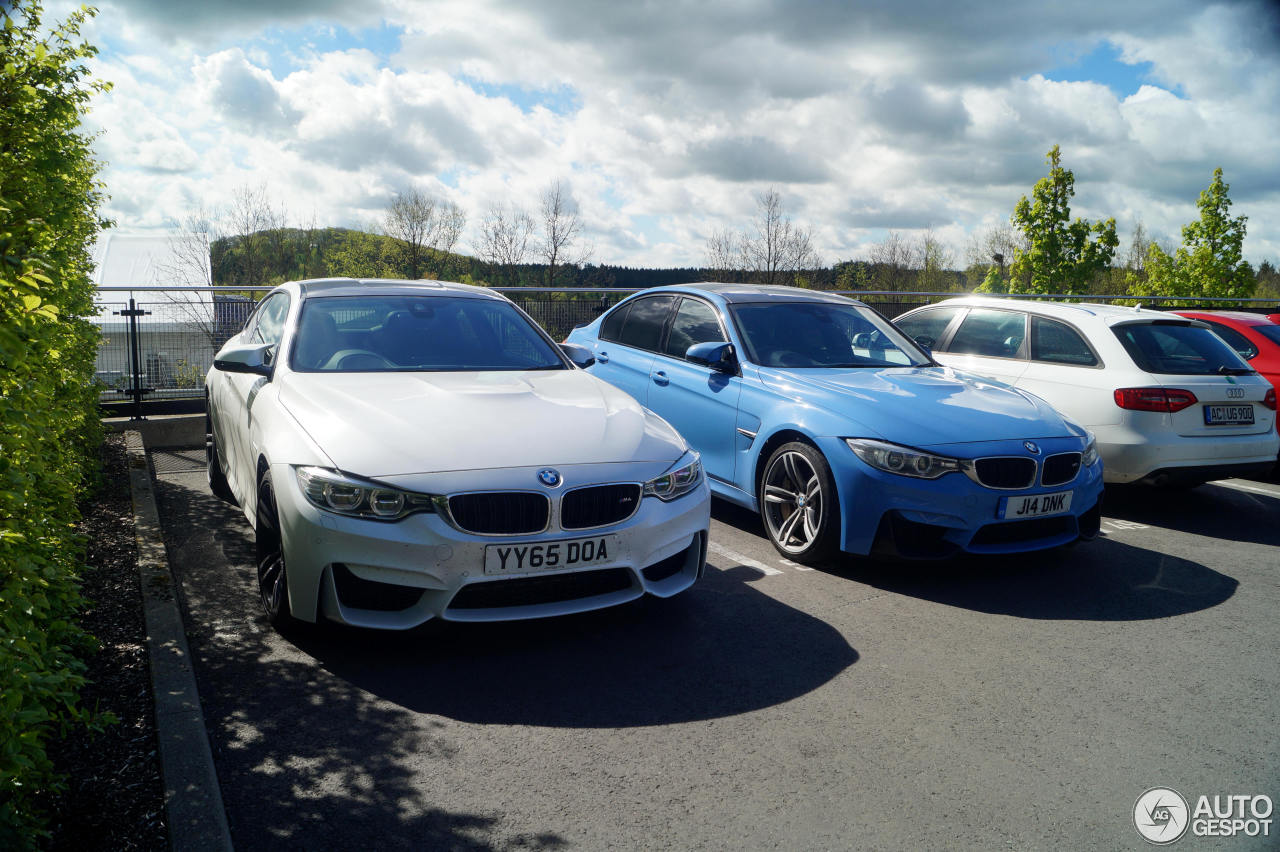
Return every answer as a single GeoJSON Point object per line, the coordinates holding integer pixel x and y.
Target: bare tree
{"type": "Point", "coordinates": [411, 219]}
{"type": "Point", "coordinates": [932, 259]}
{"type": "Point", "coordinates": [561, 229]}
{"type": "Point", "coordinates": [892, 260]}
{"type": "Point", "coordinates": [450, 221]}
{"type": "Point", "coordinates": [778, 249]}
{"type": "Point", "coordinates": [723, 254]}
{"type": "Point", "coordinates": [504, 238]}
{"type": "Point", "coordinates": [1136, 259]}
{"type": "Point", "coordinates": [249, 215]}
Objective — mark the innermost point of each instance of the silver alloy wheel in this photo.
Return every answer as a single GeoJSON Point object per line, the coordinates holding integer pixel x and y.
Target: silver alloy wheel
{"type": "Point", "coordinates": [793, 502]}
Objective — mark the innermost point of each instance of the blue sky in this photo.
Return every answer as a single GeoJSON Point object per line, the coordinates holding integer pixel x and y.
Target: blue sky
{"type": "Point", "coordinates": [666, 120]}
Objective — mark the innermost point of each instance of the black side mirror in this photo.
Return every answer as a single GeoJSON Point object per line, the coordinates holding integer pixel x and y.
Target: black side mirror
{"type": "Point", "coordinates": [254, 359]}
{"type": "Point", "coordinates": [718, 356]}
{"type": "Point", "coordinates": [579, 355]}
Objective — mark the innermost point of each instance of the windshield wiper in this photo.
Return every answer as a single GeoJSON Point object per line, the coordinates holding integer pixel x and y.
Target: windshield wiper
{"type": "Point", "coordinates": [1224, 370]}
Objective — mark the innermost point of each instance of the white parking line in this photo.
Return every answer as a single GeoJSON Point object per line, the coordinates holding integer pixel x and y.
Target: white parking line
{"type": "Point", "coordinates": [1252, 489]}
{"type": "Point", "coordinates": [739, 559]}
{"type": "Point", "coordinates": [1114, 524]}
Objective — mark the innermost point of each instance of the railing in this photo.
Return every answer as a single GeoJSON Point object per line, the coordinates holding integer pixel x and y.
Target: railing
{"type": "Point", "coordinates": [158, 343]}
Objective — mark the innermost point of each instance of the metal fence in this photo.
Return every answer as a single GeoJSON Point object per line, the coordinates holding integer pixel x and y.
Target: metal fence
{"type": "Point", "coordinates": [158, 343]}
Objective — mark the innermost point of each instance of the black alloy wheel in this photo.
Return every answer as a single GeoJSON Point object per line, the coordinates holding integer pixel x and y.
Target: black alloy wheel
{"type": "Point", "coordinates": [217, 479]}
{"type": "Point", "coordinates": [273, 580]}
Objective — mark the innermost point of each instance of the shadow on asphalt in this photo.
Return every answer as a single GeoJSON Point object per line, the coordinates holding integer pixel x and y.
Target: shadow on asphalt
{"type": "Point", "coordinates": [1101, 580]}
{"type": "Point", "coordinates": [1216, 511]}
{"type": "Point", "coordinates": [305, 760]}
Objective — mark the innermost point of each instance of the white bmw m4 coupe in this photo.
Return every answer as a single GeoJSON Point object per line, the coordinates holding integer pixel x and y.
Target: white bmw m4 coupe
{"type": "Point", "coordinates": [416, 450]}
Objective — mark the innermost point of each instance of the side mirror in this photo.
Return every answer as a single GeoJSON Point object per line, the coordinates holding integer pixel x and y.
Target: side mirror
{"type": "Point", "coordinates": [254, 359]}
{"type": "Point", "coordinates": [579, 355]}
{"type": "Point", "coordinates": [717, 356]}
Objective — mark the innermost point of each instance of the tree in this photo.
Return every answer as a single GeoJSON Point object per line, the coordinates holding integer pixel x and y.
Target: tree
{"type": "Point", "coordinates": [932, 259]}
{"type": "Point", "coordinates": [777, 250]}
{"type": "Point", "coordinates": [249, 216]}
{"type": "Point", "coordinates": [426, 227]}
{"type": "Point", "coordinates": [561, 228]}
{"type": "Point", "coordinates": [989, 249]}
{"type": "Point", "coordinates": [1209, 264]}
{"type": "Point", "coordinates": [504, 238]}
{"type": "Point", "coordinates": [891, 258]}
{"type": "Point", "coordinates": [50, 198]}
{"type": "Point", "coordinates": [1063, 256]}
{"type": "Point", "coordinates": [723, 254]}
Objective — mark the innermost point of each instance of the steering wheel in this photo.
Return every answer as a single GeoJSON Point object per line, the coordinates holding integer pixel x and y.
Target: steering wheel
{"type": "Point", "coordinates": [357, 359]}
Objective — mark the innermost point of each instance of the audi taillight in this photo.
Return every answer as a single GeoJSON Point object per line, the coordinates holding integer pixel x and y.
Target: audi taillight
{"type": "Point", "coordinates": [1164, 400]}
{"type": "Point", "coordinates": [1270, 399]}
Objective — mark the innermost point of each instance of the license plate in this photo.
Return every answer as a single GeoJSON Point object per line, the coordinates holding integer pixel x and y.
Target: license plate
{"type": "Point", "coordinates": [1035, 505]}
{"type": "Point", "coordinates": [1228, 415]}
{"type": "Point", "coordinates": [549, 555]}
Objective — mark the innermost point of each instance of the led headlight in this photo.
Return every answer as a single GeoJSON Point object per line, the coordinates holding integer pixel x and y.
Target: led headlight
{"type": "Point", "coordinates": [678, 481]}
{"type": "Point", "coordinates": [345, 495]}
{"type": "Point", "coordinates": [894, 458]}
{"type": "Point", "coordinates": [1090, 455]}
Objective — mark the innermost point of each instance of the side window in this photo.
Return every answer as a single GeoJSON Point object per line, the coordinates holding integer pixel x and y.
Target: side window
{"type": "Point", "coordinates": [269, 321]}
{"type": "Point", "coordinates": [695, 322]}
{"type": "Point", "coordinates": [995, 334]}
{"type": "Point", "coordinates": [1235, 340]}
{"type": "Point", "coordinates": [645, 322]}
{"type": "Point", "coordinates": [1059, 343]}
{"type": "Point", "coordinates": [927, 327]}
{"type": "Point", "coordinates": [611, 328]}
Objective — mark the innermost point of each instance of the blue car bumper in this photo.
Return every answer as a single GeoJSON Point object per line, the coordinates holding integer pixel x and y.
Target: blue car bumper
{"type": "Point", "coordinates": [887, 514]}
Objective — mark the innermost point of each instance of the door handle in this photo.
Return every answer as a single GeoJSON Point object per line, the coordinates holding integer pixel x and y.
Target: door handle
{"type": "Point", "coordinates": [602, 357]}
{"type": "Point", "coordinates": [660, 378]}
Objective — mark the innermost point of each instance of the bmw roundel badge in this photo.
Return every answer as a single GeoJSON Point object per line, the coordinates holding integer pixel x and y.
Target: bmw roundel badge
{"type": "Point", "coordinates": [1032, 447]}
{"type": "Point", "coordinates": [549, 477]}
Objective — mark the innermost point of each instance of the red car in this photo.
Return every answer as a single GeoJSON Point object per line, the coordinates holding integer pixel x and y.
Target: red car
{"type": "Point", "coordinates": [1254, 336]}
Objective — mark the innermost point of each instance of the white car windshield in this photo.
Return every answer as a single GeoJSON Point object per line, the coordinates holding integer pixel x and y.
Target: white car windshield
{"type": "Point", "coordinates": [822, 334]}
{"type": "Point", "coordinates": [356, 334]}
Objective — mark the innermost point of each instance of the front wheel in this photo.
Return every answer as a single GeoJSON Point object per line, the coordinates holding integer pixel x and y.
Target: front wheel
{"type": "Point", "coordinates": [273, 580]}
{"type": "Point", "coordinates": [217, 479]}
{"type": "Point", "coordinates": [798, 503]}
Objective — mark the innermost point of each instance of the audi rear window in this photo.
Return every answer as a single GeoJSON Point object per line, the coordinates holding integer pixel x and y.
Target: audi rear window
{"type": "Point", "coordinates": [1179, 349]}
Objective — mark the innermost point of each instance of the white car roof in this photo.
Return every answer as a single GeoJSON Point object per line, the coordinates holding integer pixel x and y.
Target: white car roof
{"type": "Point", "coordinates": [1069, 311]}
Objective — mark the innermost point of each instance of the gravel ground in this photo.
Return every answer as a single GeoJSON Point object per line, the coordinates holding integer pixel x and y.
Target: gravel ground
{"type": "Point", "coordinates": [114, 798]}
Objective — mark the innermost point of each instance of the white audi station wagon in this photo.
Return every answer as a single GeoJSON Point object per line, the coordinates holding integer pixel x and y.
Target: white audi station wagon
{"type": "Point", "coordinates": [1168, 401]}
{"type": "Point", "coordinates": [416, 450]}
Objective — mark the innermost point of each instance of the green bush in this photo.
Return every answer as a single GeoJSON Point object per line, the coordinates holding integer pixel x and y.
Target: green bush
{"type": "Point", "coordinates": [49, 431]}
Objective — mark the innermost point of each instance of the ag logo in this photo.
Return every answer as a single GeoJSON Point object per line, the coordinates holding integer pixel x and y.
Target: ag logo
{"type": "Point", "coordinates": [1161, 816]}
{"type": "Point", "coordinates": [549, 477]}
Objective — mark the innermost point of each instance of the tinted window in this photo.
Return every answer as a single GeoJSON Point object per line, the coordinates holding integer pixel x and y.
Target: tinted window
{"type": "Point", "coordinates": [1058, 343]}
{"type": "Point", "coordinates": [269, 322]}
{"type": "Point", "coordinates": [1270, 332]}
{"type": "Point", "coordinates": [611, 328]}
{"type": "Point", "coordinates": [1182, 350]}
{"type": "Point", "coordinates": [821, 334]}
{"type": "Point", "coordinates": [353, 334]}
{"type": "Point", "coordinates": [695, 322]}
{"type": "Point", "coordinates": [643, 326]}
{"type": "Point", "coordinates": [996, 334]}
{"type": "Point", "coordinates": [1235, 340]}
{"type": "Point", "coordinates": [928, 326]}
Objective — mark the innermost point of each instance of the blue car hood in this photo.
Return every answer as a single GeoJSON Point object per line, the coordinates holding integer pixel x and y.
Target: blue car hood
{"type": "Point", "coordinates": [922, 406]}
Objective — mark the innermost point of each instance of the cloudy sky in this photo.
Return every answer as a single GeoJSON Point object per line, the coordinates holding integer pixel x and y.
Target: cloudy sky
{"type": "Point", "coordinates": [667, 117]}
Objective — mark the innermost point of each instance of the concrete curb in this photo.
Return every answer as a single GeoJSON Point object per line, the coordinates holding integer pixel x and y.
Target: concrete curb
{"type": "Point", "coordinates": [193, 800]}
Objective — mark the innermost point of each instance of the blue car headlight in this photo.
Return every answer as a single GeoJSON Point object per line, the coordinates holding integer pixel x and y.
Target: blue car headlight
{"type": "Point", "coordinates": [1089, 457]}
{"type": "Point", "coordinates": [682, 478]}
{"type": "Point", "coordinates": [905, 461]}
{"type": "Point", "coordinates": [337, 492]}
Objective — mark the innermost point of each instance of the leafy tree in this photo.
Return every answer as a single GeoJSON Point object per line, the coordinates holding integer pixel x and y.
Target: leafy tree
{"type": "Point", "coordinates": [49, 430]}
{"type": "Point", "coordinates": [993, 282]}
{"type": "Point", "coordinates": [1062, 256]}
{"type": "Point", "coordinates": [1210, 264]}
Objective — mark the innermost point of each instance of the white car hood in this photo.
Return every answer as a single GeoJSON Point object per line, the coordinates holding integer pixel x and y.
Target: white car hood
{"type": "Point", "coordinates": [388, 424]}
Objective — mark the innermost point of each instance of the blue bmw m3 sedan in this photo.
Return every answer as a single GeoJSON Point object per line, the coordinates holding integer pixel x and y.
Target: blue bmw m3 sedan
{"type": "Point", "coordinates": [817, 412]}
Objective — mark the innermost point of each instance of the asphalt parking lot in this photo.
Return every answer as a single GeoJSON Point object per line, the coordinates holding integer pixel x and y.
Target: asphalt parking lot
{"type": "Point", "coordinates": [1021, 703]}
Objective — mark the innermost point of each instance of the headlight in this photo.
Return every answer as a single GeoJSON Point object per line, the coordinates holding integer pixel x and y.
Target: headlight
{"type": "Point", "coordinates": [894, 458]}
{"type": "Point", "coordinates": [1090, 455]}
{"type": "Point", "coordinates": [678, 481]}
{"type": "Point", "coordinates": [345, 495]}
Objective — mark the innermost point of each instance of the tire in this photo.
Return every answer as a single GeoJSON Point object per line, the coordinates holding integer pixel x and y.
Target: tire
{"type": "Point", "coordinates": [217, 479]}
{"type": "Point", "coordinates": [799, 504]}
{"type": "Point", "coordinates": [273, 579]}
